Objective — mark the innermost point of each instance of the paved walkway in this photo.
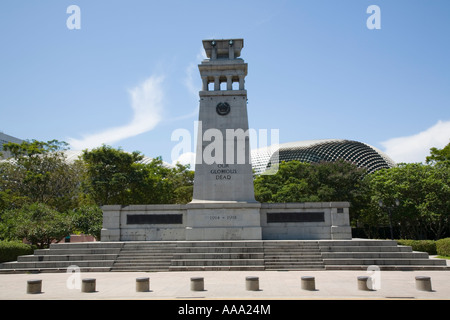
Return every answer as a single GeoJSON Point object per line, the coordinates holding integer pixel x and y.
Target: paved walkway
{"type": "Point", "coordinates": [226, 285]}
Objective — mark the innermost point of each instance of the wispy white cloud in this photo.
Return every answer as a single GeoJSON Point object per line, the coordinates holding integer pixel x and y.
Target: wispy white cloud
{"type": "Point", "coordinates": [191, 81]}
{"type": "Point", "coordinates": [147, 105]}
{"type": "Point", "coordinates": [416, 148]}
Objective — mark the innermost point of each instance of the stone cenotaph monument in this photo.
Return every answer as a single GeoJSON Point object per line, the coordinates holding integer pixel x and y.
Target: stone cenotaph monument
{"type": "Point", "coordinates": [223, 205]}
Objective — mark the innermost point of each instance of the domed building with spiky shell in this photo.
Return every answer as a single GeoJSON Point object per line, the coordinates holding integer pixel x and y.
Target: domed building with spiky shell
{"type": "Point", "coordinates": [315, 151]}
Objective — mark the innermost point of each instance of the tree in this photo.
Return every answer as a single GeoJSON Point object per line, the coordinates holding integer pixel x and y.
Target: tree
{"type": "Point", "coordinates": [118, 177]}
{"type": "Point", "coordinates": [183, 183]}
{"type": "Point", "coordinates": [38, 172]}
{"type": "Point", "coordinates": [439, 155]}
{"type": "Point", "coordinates": [341, 181]}
{"type": "Point", "coordinates": [288, 184]}
{"type": "Point", "coordinates": [87, 219]}
{"type": "Point", "coordinates": [110, 174]}
{"type": "Point", "coordinates": [423, 192]}
{"type": "Point", "coordinates": [437, 200]}
{"type": "Point", "coordinates": [37, 222]}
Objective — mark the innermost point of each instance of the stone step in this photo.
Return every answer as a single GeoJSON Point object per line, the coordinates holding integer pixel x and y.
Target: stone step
{"type": "Point", "coordinates": [389, 267]}
{"type": "Point", "coordinates": [219, 256]}
{"type": "Point", "coordinates": [290, 242]}
{"type": "Point", "coordinates": [280, 259]}
{"type": "Point", "coordinates": [41, 252]}
{"type": "Point", "coordinates": [357, 243]}
{"type": "Point", "coordinates": [69, 258]}
{"type": "Point", "coordinates": [220, 250]}
{"type": "Point", "coordinates": [140, 269]}
{"type": "Point", "coordinates": [217, 262]}
{"type": "Point", "coordinates": [293, 259]}
{"type": "Point", "coordinates": [56, 264]}
{"type": "Point", "coordinates": [140, 263]}
{"type": "Point", "coordinates": [267, 249]}
{"type": "Point", "coordinates": [375, 255]}
{"type": "Point", "coordinates": [218, 268]}
{"type": "Point", "coordinates": [384, 261]}
{"type": "Point", "coordinates": [296, 247]}
{"type": "Point", "coordinates": [296, 253]}
{"type": "Point", "coordinates": [290, 259]}
{"type": "Point", "coordinates": [86, 245]}
{"type": "Point", "coordinates": [294, 266]}
{"type": "Point", "coordinates": [193, 244]}
{"type": "Point", "coordinates": [52, 270]}
{"type": "Point", "coordinates": [144, 257]}
{"type": "Point", "coordinates": [196, 250]}
{"type": "Point", "coordinates": [365, 249]}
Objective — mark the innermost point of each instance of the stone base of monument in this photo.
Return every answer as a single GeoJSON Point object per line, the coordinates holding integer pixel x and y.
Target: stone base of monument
{"type": "Point", "coordinates": [223, 221]}
{"type": "Point", "coordinates": [203, 220]}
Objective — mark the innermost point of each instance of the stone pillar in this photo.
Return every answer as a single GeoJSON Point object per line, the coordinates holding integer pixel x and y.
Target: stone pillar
{"type": "Point", "coordinates": [308, 283]}
{"type": "Point", "coordinates": [423, 283]}
{"type": "Point", "coordinates": [231, 50]}
{"type": "Point", "coordinates": [229, 82]}
{"type": "Point", "coordinates": [34, 286]}
{"type": "Point", "coordinates": [216, 83]}
{"type": "Point", "coordinates": [205, 84]}
{"type": "Point", "coordinates": [142, 284]}
{"type": "Point", "coordinates": [362, 283]}
{"type": "Point", "coordinates": [197, 284]}
{"type": "Point", "coordinates": [214, 53]}
{"type": "Point", "coordinates": [88, 285]}
{"type": "Point", "coordinates": [241, 83]}
{"type": "Point", "coordinates": [252, 283]}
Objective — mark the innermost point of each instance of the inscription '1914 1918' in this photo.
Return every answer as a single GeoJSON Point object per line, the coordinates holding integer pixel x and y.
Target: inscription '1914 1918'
{"type": "Point", "coordinates": [223, 172]}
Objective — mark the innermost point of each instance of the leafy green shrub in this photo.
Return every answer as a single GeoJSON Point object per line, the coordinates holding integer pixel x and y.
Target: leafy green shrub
{"type": "Point", "coordinates": [88, 220]}
{"type": "Point", "coordinates": [443, 247]}
{"type": "Point", "coordinates": [10, 250]}
{"type": "Point", "coordinates": [428, 246]}
{"type": "Point", "coordinates": [38, 223]}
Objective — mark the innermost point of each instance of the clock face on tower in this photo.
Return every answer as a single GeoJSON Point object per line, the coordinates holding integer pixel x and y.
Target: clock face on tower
{"type": "Point", "coordinates": [223, 108]}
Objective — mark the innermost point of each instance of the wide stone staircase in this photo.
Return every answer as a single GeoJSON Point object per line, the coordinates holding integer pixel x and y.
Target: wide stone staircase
{"type": "Point", "coordinates": [292, 255]}
{"type": "Point", "coordinates": [224, 256]}
{"type": "Point", "coordinates": [386, 254]}
{"type": "Point", "coordinates": [190, 256]}
{"type": "Point", "coordinates": [218, 256]}
{"type": "Point", "coordinates": [87, 256]}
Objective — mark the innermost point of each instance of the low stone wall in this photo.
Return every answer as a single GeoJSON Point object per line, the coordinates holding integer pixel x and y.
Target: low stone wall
{"type": "Point", "coordinates": [305, 221]}
{"type": "Point", "coordinates": [278, 221]}
{"type": "Point", "coordinates": [144, 223]}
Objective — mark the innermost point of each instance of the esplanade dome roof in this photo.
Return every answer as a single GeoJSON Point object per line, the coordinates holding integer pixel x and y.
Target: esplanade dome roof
{"type": "Point", "coordinates": [314, 151]}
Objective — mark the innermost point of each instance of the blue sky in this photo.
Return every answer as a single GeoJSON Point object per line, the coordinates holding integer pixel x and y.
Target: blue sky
{"type": "Point", "coordinates": [129, 78]}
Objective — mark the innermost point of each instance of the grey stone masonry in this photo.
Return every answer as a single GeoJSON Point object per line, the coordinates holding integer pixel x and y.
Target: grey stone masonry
{"type": "Point", "coordinates": [356, 254]}
{"type": "Point", "coordinates": [229, 220]}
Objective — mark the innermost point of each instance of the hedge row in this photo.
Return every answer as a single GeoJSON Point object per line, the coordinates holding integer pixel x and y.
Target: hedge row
{"type": "Point", "coordinates": [443, 247]}
{"type": "Point", "coordinates": [10, 250]}
{"type": "Point", "coordinates": [428, 246]}
{"type": "Point", "coordinates": [439, 247]}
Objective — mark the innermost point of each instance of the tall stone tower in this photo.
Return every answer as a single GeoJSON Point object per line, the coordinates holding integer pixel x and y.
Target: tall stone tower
{"type": "Point", "coordinates": [223, 205]}
{"type": "Point", "coordinates": [223, 171]}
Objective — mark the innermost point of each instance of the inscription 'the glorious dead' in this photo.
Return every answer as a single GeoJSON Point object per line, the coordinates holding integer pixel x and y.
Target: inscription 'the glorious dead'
{"type": "Point", "coordinates": [223, 172]}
